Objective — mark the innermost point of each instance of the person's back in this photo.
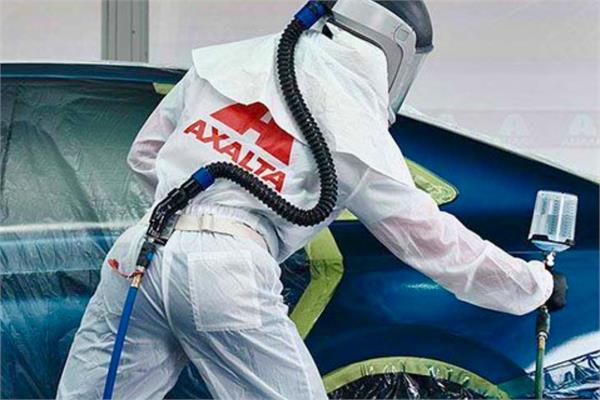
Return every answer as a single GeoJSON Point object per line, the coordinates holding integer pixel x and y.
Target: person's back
{"type": "Point", "coordinates": [227, 108]}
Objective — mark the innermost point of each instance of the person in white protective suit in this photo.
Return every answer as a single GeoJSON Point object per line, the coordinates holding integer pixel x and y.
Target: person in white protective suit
{"type": "Point", "coordinates": [213, 295]}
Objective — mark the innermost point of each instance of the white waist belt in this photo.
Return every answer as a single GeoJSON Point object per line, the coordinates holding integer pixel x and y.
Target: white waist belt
{"type": "Point", "coordinates": [216, 224]}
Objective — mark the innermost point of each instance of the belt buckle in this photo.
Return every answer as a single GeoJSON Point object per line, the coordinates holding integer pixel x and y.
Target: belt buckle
{"type": "Point", "coordinates": [206, 222]}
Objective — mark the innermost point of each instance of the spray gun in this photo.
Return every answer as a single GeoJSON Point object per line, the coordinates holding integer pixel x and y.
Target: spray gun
{"type": "Point", "coordinates": [552, 231]}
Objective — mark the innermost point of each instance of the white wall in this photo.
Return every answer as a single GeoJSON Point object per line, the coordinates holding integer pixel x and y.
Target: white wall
{"type": "Point", "coordinates": [525, 73]}
{"type": "Point", "coordinates": [178, 26]}
{"type": "Point", "coordinates": [50, 30]}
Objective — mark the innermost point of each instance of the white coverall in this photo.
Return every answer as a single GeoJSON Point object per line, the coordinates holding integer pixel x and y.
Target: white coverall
{"type": "Point", "coordinates": [214, 299]}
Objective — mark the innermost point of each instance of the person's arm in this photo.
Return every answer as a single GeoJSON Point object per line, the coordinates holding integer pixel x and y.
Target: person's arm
{"type": "Point", "coordinates": [408, 222]}
{"type": "Point", "coordinates": [155, 132]}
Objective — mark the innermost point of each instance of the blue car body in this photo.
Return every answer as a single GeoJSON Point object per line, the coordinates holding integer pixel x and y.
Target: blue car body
{"type": "Point", "coordinates": [381, 308]}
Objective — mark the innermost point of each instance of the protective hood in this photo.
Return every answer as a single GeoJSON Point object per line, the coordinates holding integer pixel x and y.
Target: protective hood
{"type": "Point", "coordinates": [401, 29]}
{"type": "Point", "coordinates": [343, 80]}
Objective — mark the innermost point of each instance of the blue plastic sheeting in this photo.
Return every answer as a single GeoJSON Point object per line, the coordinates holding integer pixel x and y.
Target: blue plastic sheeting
{"type": "Point", "coordinates": [66, 195]}
{"type": "Point", "coordinates": [574, 379]}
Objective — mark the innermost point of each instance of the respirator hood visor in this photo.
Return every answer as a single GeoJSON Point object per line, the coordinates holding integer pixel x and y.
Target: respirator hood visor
{"type": "Point", "coordinates": [401, 29]}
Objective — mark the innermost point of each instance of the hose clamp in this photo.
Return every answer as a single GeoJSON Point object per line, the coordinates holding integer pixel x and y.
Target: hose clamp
{"type": "Point", "coordinates": [310, 13]}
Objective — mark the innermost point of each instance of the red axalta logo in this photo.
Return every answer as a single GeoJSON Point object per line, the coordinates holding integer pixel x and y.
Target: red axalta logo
{"type": "Point", "coordinates": [271, 138]}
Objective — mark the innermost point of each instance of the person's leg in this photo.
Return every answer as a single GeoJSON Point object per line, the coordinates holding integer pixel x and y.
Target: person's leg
{"type": "Point", "coordinates": [225, 306]}
{"type": "Point", "coordinates": [152, 359]}
{"type": "Point", "coordinates": [270, 362]}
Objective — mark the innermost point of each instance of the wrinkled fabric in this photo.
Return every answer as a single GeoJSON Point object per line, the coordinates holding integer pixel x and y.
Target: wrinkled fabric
{"type": "Point", "coordinates": [228, 108]}
{"type": "Point", "coordinates": [409, 223]}
{"type": "Point", "coordinates": [207, 298]}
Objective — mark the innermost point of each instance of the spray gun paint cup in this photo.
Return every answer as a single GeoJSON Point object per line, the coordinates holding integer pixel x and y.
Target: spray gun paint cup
{"type": "Point", "coordinates": [553, 223]}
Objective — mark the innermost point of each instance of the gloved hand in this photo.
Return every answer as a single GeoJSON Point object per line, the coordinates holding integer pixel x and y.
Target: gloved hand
{"type": "Point", "coordinates": [558, 299]}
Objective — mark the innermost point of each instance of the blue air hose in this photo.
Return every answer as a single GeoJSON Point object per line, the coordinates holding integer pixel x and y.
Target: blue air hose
{"type": "Point", "coordinates": [143, 262]}
{"type": "Point", "coordinates": [178, 198]}
{"type": "Point", "coordinates": [119, 341]}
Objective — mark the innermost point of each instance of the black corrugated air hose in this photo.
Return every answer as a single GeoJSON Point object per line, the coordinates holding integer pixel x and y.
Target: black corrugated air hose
{"type": "Point", "coordinates": [313, 135]}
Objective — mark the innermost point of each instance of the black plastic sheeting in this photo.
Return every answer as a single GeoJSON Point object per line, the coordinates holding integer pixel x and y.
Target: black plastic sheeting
{"type": "Point", "coordinates": [402, 386]}
{"type": "Point", "coordinates": [578, 378]}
